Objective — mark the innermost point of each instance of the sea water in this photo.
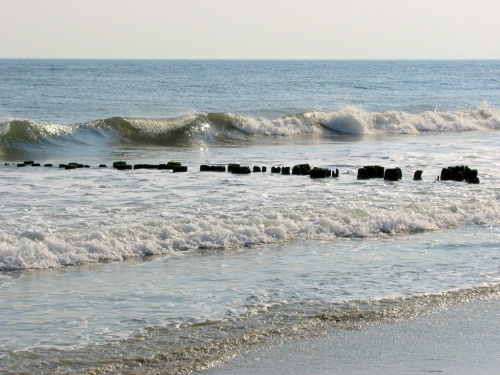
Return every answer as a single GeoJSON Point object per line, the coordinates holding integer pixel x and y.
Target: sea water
{"type": "Point", "coordinates": [149, 271]}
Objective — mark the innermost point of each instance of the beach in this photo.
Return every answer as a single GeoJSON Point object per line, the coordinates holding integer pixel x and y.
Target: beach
{"type": "Point", "coordinates": [459, 340]}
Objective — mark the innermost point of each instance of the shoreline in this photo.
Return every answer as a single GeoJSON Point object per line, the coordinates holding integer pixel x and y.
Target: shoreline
{"type": "Point", "coordinates": [458, 340]}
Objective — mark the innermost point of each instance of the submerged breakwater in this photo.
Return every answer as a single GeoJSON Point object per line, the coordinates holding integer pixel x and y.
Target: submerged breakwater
{"type": "Point", "coordinates": [454, 173]}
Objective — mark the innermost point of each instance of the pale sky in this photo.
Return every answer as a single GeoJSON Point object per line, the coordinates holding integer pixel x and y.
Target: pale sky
{"type": "Point", "coordinates": [251, 29]}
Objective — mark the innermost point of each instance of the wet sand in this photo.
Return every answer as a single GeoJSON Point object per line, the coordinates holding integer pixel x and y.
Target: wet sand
{"type": "Point", "coordinates": [459, 340]}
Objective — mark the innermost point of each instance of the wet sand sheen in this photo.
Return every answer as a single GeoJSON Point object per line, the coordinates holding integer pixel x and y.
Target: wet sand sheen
{"type": "Point", "coordinates": [458, 340]}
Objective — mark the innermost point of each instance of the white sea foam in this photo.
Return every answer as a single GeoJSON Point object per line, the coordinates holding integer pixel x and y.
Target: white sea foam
{"type": "Point", "coordinates": [34, 249]}
{"type": "Point", "coordinates": [358, 121]}
{"type": "Point", "coordinates": [289, 125]}
{"type": "Point", "coordinates": [355, 120]}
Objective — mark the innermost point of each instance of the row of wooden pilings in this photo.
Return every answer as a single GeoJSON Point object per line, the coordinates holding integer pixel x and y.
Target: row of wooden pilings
{"type": "Point", "coordinates": [299, 169]}
{"type": "Point", "coordinates": [453, 173]}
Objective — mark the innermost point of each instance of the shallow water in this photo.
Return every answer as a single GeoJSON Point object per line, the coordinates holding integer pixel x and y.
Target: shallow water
{"type": "Point", "coordinates": [163, 305]}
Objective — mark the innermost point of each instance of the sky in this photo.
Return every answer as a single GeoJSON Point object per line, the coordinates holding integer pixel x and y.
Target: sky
{"type": "Point", "coordinates": [250, 29]}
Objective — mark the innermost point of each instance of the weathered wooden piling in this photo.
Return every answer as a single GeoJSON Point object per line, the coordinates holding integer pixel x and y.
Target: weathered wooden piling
{"type": "Point", "coordinates": [472, 177]}
{"type": "Point", "coordinates": [118, 163]}
{"type": "Point", "coordinates": [123, 167]}
{"type": "Point", "coordinates": [370, 171]}
{"type": "Point", "coordinates": [232, 166]}
{"type": "Point", "coordinates": [241, 170]}
{"type": "Point", "coordinates": [146, 166]}
{"type": "Point", "coordinates": [459, 173]}
{"type": "Point", "coordinates": [76, 165]}
{"type": "Point", "coordinates": [320, 173]}
{"type": "Point", "coordinates": [179, 168]}
{"type": "Point", "coordinates": [172, 164]}
{"type": "Point", "coordinates": [212, 168]}
{"type": "Point", "coordinates": [301, 169]}
{"type": "Point", "coordinates": [393, 174]}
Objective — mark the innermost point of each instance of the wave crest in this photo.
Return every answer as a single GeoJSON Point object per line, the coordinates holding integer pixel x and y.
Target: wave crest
{"type": "Point", "coordinates": [215, 127]}
{"type": "Point", "coordinates": [354, 120]}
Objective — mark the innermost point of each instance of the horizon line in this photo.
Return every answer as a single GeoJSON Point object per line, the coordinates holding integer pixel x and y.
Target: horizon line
{"type": "Point", "coordinates": [252, 59]}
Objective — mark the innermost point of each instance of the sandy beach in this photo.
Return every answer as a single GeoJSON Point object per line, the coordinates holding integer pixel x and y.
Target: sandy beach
{"type": "Point", "coordinates": [459, 340]}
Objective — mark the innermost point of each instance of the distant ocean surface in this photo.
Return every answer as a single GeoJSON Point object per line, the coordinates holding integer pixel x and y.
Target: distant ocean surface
{"type": "Point", "coordinates": [146, 271]}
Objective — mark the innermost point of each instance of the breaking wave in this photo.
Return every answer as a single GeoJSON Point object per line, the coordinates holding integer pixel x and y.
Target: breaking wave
{"type": "Point", "coordinates": [218, 127]}
{"type": "Point", "coordinates": [36, 247]}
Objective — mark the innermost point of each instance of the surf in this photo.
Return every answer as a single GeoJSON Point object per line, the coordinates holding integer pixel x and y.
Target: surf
{"type": "Point", "coordinates": [189, 130]}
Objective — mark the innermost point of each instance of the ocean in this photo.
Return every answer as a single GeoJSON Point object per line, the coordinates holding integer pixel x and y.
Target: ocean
{"type": "Point", "coordinates": [109, 270]}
